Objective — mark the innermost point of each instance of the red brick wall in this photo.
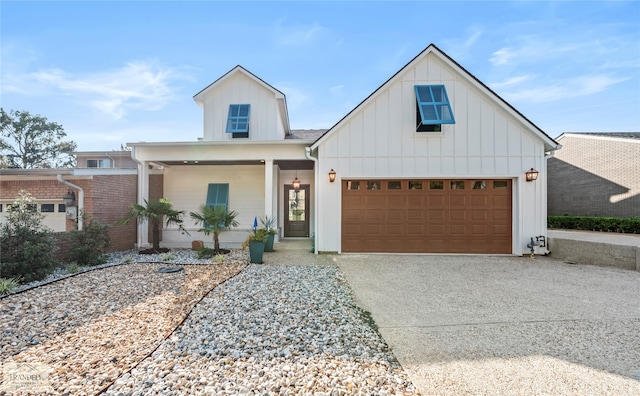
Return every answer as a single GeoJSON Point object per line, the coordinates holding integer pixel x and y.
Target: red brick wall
{"type": "Point", "coordinates": [108, 201]}
{"type": "Point", "coordinates": [107, 198]}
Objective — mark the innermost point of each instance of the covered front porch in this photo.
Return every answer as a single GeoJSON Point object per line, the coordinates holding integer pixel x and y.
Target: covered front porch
{"type": "Point", "coordinates": [256, 180]}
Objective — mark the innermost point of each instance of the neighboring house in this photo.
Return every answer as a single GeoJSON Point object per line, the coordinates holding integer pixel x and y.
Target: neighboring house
{"type": "Point", "coordinates": [432, 161]}
{"type": "Point", "coordinates": [101, 192]}
{"type": "Point", "coordinates": [595, 174]}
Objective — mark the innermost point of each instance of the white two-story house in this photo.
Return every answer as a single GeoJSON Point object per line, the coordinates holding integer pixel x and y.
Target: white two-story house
{"type": "Point", "coordinates": [432, 161]}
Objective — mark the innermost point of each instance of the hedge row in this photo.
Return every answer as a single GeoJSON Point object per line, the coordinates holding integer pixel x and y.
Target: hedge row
{"type": "Point", "coordinates": [606, 224]}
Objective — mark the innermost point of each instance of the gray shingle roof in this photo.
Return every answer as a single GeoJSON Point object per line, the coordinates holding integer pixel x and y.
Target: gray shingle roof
{"type": "Point", "coordinates": [306, 134]}
{"type": "Point", "coordinates": [624, 135]}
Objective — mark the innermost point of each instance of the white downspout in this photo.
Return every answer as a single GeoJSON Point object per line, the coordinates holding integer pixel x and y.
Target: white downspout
{"type": "Point", "coordinates": [316, 194]}
{"type": "Point", "coordinates": [80, 199]}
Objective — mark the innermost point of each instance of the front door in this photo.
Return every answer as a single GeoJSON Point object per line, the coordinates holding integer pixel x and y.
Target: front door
{"type": "Point", "coordinates": [296, 208]}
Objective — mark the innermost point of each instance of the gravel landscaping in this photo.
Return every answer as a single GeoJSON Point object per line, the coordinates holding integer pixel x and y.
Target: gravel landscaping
{"type": "Point", "coordinates": [212, 328]}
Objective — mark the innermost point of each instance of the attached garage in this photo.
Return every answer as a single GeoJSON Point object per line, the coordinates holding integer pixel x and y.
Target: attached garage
{"type": "Point", "coordinates": [433, 161]}
{"type": "Point", "coordinates": [427, 216]}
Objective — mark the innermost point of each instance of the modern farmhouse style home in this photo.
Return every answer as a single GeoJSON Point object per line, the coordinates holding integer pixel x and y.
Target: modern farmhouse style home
{"type": "Point", "coordinates": [432, 161]}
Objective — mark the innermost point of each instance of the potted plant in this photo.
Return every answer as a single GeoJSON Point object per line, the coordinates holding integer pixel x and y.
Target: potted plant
{"type": "Point", "coordinates": [255, 241]}
{"type": "Point", "coordinates": [270, 223]}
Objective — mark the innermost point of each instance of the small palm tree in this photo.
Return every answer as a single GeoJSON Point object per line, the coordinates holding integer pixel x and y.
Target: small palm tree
{"type": "Point", "coordinates": [214, 220]}
{"type": "Point", "coordinates": [155, 212]}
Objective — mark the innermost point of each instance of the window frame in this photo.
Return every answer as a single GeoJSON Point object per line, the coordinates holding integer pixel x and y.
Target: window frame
{"type": "Point", "coordinates": [234, 119]}
{"type": "Point", "coordinates": [99, 163]}
{"type": "Point", "coordinates": [424, 123]}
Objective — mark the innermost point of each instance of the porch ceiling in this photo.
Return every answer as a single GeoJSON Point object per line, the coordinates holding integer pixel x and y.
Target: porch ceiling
{"type": "Point", "coordinates": [294, 164]}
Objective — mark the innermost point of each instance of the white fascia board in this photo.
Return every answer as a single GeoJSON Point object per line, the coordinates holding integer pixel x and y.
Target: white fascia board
{"type": "Point", "coordinates": [102, 172]}
{"type": "Point", "coordinates": [599, 137]}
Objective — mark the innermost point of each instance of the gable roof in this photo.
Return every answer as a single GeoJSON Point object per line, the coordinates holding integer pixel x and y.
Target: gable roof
{"type": "Point", "coordinates": [550, 144]}
{"type": "Point", "coordinates": [280, 97]}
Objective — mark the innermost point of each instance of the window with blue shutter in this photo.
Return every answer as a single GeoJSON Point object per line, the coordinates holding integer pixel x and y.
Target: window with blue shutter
{"type": "Point", "coordinates": [218, 195]}
{"type": "Point", "coordinates": [433, 108]}
{"type": "Point", "coordinates": [238, 120]}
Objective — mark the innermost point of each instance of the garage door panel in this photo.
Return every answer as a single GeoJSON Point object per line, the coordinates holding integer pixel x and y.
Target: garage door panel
{"type": "Point", "coordinates": [374, 215]}
{"type": "Point", "coordinates": [377, 201]}
{"type": "Point", "coordinates": [415, 229]}
{"type": "Point", "coordinates": [457, 214]}
{"type": "Point", "coordinates": [395, 230]}
{"type": "Point", "coordinates": [436, 200]}
{"type": "Point", "coordinates": [447, 220]}
{"type": "Point", "coordinates": [436, 214]}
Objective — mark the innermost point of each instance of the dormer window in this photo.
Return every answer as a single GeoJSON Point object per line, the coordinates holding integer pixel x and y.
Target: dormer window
{"type": "Point", "coordinates": [432, 108]}
{"type": "Point", "coordinates": [238, 120]}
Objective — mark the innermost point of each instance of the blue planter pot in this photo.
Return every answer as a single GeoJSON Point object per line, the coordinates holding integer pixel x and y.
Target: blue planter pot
{"type": "Point", "coordinates": [268, 244]}
{"type": "Point", "coordinates": [256, 251]}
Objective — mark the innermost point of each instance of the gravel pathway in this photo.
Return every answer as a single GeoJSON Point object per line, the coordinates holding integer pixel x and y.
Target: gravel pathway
{"type": "Point", "coordinates": [125, 329]}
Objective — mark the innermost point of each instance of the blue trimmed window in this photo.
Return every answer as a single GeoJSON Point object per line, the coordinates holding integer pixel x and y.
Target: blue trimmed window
{"type": "Point", "coordinates": [218, 195]}
{"type": "Point", "coordinates": [432, 108]}
{"type": "Point", "coordinates": [238, 120]}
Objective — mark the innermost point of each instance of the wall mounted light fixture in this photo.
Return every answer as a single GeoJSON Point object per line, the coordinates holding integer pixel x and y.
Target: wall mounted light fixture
{"type": "Point", "coordinates": [69, 198]}
{"type": "Point", "coordinates": [332, 176]}
{"type": "Point", "coordinates": [531, 175]}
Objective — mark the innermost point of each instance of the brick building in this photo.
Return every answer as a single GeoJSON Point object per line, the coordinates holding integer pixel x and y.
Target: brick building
{"type": "Point", "coordinates": [595, 174]}
{"type": "Point", "coordinates": [104, 186]}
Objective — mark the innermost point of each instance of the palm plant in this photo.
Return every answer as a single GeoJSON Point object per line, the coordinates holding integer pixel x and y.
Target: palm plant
{"type": "Point", "coordinates": [155, 212]}
{"type": "Point", "coordinates": [214, 220]}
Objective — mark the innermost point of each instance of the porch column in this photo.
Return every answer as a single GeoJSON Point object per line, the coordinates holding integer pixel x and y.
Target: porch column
{"type": "Point", "coordinates": [268, 188]}
{"type": "Point", "coordinates": [143, 194]}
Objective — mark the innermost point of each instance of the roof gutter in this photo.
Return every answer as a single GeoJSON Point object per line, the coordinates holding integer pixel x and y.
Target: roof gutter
{"type": "Point", "coordinates": [80, 199]}
{"type": "Point", "coordinates": [316, 235]}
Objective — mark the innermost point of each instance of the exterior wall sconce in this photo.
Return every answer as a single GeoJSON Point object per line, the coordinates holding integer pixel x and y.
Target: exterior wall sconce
{"type": "Point", "coordinates": [531, 175]}
{"type": "Point", "coordinates": [332, 176]}
{"type": "Point", "coordinates": [69, 198]}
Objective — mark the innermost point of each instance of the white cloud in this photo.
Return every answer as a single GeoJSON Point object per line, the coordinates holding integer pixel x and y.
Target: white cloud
{"type": "Point", "coordinates": [569, 88]}
{"type": "Point", "coordinates": [336, 89]}
{"type": "Point", "coordinates": [502, 56]}
{"type": "Point", "coordinates": [299, 35]}
{"type": "Point", "coordinates": [137, 85]}
{"type": "Point", "coordinates": [511, 81]}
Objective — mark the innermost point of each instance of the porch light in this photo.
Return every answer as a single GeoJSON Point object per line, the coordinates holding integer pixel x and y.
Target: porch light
{"type": "Point", "coordinates": [296, 184]}
{"type": "Point", "coordinates": [332, 176]}
{"type": "Point", "coordinates": [531, 175]}
{"type": "Point", "coordinates": [69, 198]}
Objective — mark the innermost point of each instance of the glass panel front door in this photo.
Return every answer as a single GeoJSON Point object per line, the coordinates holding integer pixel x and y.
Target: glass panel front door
{"type": "Point", "coordinates": [296, 219]}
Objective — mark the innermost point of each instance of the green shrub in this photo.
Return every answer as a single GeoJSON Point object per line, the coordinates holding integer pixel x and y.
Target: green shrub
{"type": "Point", "coordinates": [89, 245]}
{"type": "Point", "coordinates": [205, 253]}
{"type": "Point", "coordinates": [26, 245]}
{"type": "Point", "coordinates": [8, 285]}
{"type": "Point", "coordinates": [605, 224]}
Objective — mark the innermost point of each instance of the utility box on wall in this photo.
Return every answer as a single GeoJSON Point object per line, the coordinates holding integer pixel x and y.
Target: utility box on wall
{"type": "Point", "coordinates": [72, 212]}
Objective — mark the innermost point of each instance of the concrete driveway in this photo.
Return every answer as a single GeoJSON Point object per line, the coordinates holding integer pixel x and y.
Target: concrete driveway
{"type": "Point", "coordinates": [504, 325]}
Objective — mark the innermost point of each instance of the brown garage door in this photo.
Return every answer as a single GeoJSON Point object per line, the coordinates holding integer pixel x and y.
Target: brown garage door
{"type": "Point", "coordinates": [426, 216]}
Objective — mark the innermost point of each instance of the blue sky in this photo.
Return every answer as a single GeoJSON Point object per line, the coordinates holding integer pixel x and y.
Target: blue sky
{"type": "Point", "coordinates": [115, 72]}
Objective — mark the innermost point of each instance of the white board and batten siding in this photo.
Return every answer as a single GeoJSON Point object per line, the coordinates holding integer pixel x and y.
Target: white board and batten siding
{"type": "Point", "coordinates": [265, 119]}
{"type": "Point", "coordinates": [379, 140]}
